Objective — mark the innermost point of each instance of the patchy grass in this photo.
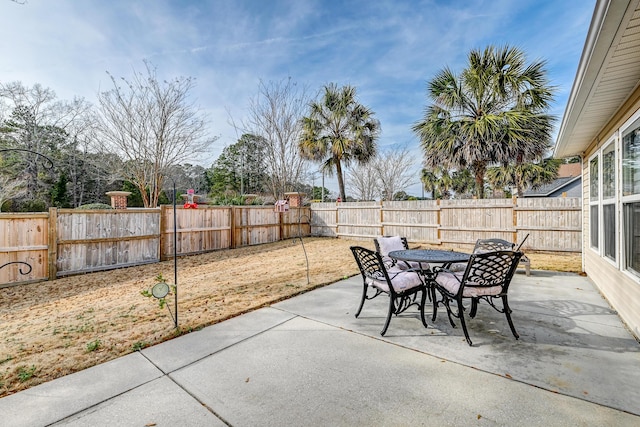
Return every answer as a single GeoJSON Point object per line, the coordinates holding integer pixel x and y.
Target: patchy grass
{"type": "Point", "coordinates": [51, 329]}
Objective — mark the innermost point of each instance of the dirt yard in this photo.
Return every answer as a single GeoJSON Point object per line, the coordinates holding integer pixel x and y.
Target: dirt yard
{"type": "Point", "coordinates": [51, 329]}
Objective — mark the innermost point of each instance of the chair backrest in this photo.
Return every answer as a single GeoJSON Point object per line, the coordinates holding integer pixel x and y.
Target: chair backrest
{"type": "Point", "coordinates": [491, 270]}
{"type": "Point", "coordinates": [370, 264]}
{"type": "Point", "coordinates": [492, 245]}
{"type": "Point", "coordinates": [386, 244]}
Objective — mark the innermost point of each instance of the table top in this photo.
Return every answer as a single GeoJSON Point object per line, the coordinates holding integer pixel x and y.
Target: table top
{"type": "Point", "coordinates": [429, 255]}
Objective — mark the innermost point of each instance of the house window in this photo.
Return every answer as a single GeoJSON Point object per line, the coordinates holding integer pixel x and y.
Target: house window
{"type": "Point", "coordinates": [594, 187]}
{"type": "Point", "coordinates": [593, 179]}
{"type": "Point", "coordinates": [632, 237]}
{"type": "Point", "coordinates": [631, 160]}
{"type": "Point", "coordinates": [609, 228]}
{"type": "Point", "coordinates": [609, 202]}
{"type": "Point", "coordinates": [593, 229]}
{"type": "Point", "coordinates": [631, 195]}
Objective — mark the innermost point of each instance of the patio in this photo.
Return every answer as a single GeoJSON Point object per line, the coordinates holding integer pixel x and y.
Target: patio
{"type": "Point", "coordinates": [308, 361]}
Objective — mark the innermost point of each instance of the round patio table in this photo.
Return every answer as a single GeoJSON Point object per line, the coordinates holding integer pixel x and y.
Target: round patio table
{"type": "Point", "coordinates": [436, 256]}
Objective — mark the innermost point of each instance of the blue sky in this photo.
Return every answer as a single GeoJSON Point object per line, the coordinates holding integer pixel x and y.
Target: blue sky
{"type": "Point", "coordinates": [387, 49]}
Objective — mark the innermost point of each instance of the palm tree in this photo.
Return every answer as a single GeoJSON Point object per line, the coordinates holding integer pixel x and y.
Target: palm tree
{"type": "Point", "coordinates": [524, 175]}
{"type": "Point", "coordinates": [438, 181]}
{"type": "Point", "coordinates": [339, 130]}
{"type": "Point", "coordinates": [462, 182]}
{"type": "Point", "coordinates": [491, 113]}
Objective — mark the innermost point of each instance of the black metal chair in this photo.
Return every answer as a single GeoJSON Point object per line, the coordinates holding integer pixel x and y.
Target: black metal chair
{"type": "Point", "coordinates": [399, 285]}
{"type": "Point", "coordinates": [486, 277]}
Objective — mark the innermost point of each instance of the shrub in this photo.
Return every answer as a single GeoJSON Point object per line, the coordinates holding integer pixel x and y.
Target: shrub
{"type": "Point", "coordinates": [92, 206]}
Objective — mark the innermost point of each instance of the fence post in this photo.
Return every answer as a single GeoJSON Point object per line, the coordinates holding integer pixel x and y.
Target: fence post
{"type": "Point", "coordinates": [232, 220]}
{"type": "Point", "coordinates": [280, 225]}
{"type": "Point", "coordinates": [514, 199]}
{"type": "Point", "coordinates": [439, 222]}
{"type": "Point", "coordinates": [337, 217]}
{"type": "Point", "coordinates": [53, 244]}
{"type": "Point", "coordinates": [382, 217]}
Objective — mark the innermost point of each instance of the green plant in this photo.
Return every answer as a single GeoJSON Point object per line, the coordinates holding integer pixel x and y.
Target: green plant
{"type": "Point", "coordinates": [93, 345]}
{"type": "Point", "coordinates": [139, 345]}
{"type": "Point", "coordinates": [25, 373]}
{"type": "Point", "coordinates": [92, 206]}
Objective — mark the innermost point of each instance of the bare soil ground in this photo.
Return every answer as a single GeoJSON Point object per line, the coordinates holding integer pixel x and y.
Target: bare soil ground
{"type": "Point", "coordinates": [51, 329]}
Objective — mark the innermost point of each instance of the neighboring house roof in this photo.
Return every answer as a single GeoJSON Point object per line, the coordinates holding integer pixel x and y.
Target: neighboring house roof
{"type": "Point", "coordinates": [556, 188]}
{"type": "Point", "coordinates": [608, 72]}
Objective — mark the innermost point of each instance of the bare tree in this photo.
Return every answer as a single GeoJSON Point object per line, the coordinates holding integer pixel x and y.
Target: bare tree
{"type": "Point", "coordinates": [275, 115]}
{"type": "Point", "coordinates": [153, 126]}
{"type": "Point", "coordinates": [11, 188]}
{"type": "Point", "coordinates": [38, 122]}
{"type": "Point", "coordinates": [394, 169]}
{"type": "Point", "coordinates": [363, 181]}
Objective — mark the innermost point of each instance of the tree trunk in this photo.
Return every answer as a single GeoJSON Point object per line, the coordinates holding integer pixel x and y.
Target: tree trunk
{"type": "Point", "coordinates": [340, 180]}
{"type": "Point", "coordinates": [479, 175]}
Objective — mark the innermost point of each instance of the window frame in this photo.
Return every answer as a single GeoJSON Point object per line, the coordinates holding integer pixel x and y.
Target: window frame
{"type": "Point", "coordinates": [625, 200]}
{"type": "Point", "coordinates": [600, 202]}
{"type": "Point", "coordinates": [594, 202]}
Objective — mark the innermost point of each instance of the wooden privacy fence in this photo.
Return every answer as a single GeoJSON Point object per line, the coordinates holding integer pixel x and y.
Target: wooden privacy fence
{"type": "Point", "coordinates": [553, 224]}
{"type": "Point", "coordinates": [69, 241]}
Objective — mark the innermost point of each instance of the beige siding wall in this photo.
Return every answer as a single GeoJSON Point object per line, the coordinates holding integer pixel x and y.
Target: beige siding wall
{"type": "Point", "coordinates": [621, 289]}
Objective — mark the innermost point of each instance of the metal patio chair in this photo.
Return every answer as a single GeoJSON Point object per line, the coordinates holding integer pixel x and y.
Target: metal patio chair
{"type": "Point", "coordinates": [401, 286]}
{"type": "Point", "coordinates": [486, 277]}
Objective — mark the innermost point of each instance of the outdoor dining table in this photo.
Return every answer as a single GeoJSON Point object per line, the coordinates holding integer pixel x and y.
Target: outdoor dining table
{"type": "Point", "coordinates": [429, 256]}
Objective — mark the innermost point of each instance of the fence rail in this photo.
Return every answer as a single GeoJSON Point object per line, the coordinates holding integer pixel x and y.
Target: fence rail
{"type": "Point", "coordinates": [69, 241]}
{"type": "Point", "coordinates": [553, 224]}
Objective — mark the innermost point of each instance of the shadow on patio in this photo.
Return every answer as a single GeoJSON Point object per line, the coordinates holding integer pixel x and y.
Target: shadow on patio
{"type": "Point", "coordinates": [571, 341]}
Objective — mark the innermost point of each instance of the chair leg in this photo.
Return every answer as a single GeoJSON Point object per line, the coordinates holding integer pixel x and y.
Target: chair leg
{"type": "Point", "coordinates": [364, 296]}
{"type": "Point", "coordinates": [474, 307]}
{"type": "Point", "coordinates": [423, 302]}
{"type": "Point", "coordinates": [391, 310]}
{"type": "Point", "coordinates": [464, 325]}
{"type": "Point", "coordinates": [447, 305]}
{"type": "Point", "coordinates": [507, 312]}
{"type": "Point", "coordinates": [434, 303]}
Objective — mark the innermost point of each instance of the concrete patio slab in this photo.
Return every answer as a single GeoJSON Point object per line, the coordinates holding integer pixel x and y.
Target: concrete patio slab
{"type": "Point", "coordinates": [309, 361]}
{"type": "Point", "coordinates": [58, 399]}
{"type": "Point", "coordinates": [571, 342]}
{"type": "Point", "coordinates": [189, 348]}
{"type": "Point", "coordinates": [332, 377]}
{"type": "Point", "coordinates": [160, 402]}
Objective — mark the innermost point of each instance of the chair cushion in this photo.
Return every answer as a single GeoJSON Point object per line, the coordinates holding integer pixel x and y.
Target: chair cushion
{"type": "Point", "coordinates": [451, 282]}
{"type": "Point", "coordinates": [394, 243]}
{"type": "Point", "coordinates": [406, 265]}
{"type": "Point", "coordinates": [401, 281]}
{"type": "Point", "coordinates": [388, 244]}
{"type": "Point", "coordinates": [457, 267]}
